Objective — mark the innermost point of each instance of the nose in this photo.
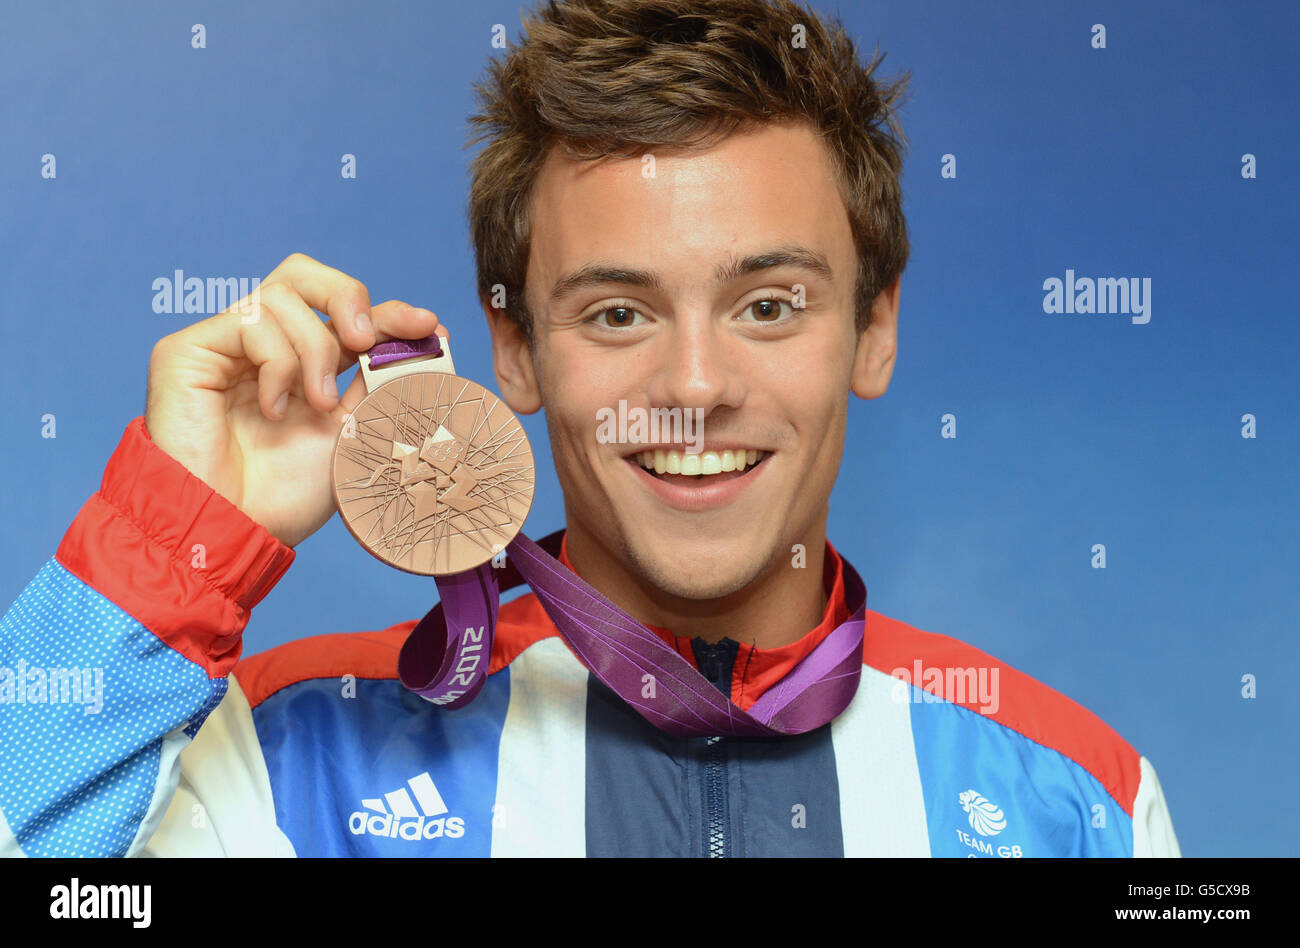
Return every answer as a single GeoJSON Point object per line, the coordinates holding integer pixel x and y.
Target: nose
{"type": "Point", "coordinates": [700, 367]}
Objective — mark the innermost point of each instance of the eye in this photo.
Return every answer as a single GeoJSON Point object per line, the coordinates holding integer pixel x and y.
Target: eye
{"type": "Point", "coordinates": [617, 317]}
{"type": "Point", "coordinates": [766, 310]}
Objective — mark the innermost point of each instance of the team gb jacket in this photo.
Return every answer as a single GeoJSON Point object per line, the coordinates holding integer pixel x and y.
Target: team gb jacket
{"type": "Point", "coordinates": [130, 726]}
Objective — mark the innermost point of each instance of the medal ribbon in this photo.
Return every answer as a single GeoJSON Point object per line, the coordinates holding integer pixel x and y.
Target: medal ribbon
{"type": "Point", "coordinates": [445, 659]}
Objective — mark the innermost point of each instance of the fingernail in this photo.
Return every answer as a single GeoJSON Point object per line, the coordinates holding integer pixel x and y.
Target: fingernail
{"type": "Point", "coordinates": [329, 385]}
{"type": "Point", "coordinates": [363, 322]}
{"type": "Point", "coordinates": [281, 403]}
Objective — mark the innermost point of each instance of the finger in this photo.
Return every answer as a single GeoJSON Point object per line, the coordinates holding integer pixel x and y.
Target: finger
{"type": "Point", "coordinates": [396, 320]}
{"type": "Point", "coordinates": [266, 346]}
{"type": "Point", "coordinates": [404, 321]}
{"type": "Point", "coordinates": [317, 347]}
{"type": "Point", "coordinates": [343, 298]}
{"type": "Point", "coordinates": [406, 330]}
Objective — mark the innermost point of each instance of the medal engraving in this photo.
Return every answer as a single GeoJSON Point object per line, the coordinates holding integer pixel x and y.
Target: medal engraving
{"type": "Point", "coordinates": [437, 476]}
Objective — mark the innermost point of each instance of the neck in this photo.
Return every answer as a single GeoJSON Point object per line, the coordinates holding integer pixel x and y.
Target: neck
{"type": "Point", "coordinates": [779, 607]}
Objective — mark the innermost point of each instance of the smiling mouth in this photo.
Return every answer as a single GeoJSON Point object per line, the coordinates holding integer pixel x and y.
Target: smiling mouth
{"type": "Point", "coordinates": [698, 470]}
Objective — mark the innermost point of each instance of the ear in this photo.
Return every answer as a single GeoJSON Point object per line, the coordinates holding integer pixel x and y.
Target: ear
{"type": "Point", "coordinates": [512, 359]}
{"type": "Point", "coordinates": [873, 361]}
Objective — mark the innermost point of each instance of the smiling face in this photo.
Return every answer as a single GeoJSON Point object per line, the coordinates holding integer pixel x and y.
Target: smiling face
{"type": "Point", "coordinates": [675, 285]}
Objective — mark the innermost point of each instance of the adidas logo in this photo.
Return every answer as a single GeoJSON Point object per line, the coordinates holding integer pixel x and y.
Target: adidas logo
{"type": "Point", "coordinates": [396, 816]}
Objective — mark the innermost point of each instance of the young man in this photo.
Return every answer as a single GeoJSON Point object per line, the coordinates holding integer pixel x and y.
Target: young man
{"type": "Point", "coordinates": [680, 206]}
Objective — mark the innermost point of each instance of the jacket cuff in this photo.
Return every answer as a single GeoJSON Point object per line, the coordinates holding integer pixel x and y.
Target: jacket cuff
{"type": "Point", "coordinates": [173, 553]}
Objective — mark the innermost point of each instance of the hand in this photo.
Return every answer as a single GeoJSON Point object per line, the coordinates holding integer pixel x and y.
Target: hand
{"type": "Point", "coordinates": [247, 399]}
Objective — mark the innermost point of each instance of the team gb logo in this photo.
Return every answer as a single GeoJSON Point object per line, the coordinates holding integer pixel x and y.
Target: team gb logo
{"type": "Point", "coordinates": [986, 818]}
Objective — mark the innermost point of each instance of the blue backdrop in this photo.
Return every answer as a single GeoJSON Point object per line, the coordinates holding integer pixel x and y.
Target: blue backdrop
{"type": "Point", "coordinates": [1123, 161]}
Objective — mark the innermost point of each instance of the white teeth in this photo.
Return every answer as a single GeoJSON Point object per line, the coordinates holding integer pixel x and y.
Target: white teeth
{"type": "Point", "coordinates": [697, 465]}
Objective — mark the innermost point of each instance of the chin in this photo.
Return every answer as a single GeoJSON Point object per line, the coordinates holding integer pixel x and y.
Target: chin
{"type": "Point", "coordinates": [699, 573]}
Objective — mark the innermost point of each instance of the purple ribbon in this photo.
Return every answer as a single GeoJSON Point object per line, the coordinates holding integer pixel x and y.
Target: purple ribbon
{"type": "Point", "coordinates": [445, 659]}
{"type": "Point", "coordinates": [395, 350]}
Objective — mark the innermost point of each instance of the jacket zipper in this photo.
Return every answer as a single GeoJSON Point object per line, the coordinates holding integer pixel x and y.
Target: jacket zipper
{"type": "Point", "coordinates": [715, 788]}
{"type": "Point", "coordinates": [712, 659]}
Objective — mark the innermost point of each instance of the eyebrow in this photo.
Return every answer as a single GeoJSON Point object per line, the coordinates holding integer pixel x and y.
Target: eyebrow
{"type": "Point", "coordinates": [595, 274]}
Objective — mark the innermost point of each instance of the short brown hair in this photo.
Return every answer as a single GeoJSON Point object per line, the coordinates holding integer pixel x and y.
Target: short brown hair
{"type": "Point", "coordinates": [619, 77]}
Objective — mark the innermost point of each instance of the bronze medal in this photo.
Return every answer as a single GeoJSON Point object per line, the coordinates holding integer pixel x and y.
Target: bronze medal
{"type": "Point", "coordinates": [433, 473]}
